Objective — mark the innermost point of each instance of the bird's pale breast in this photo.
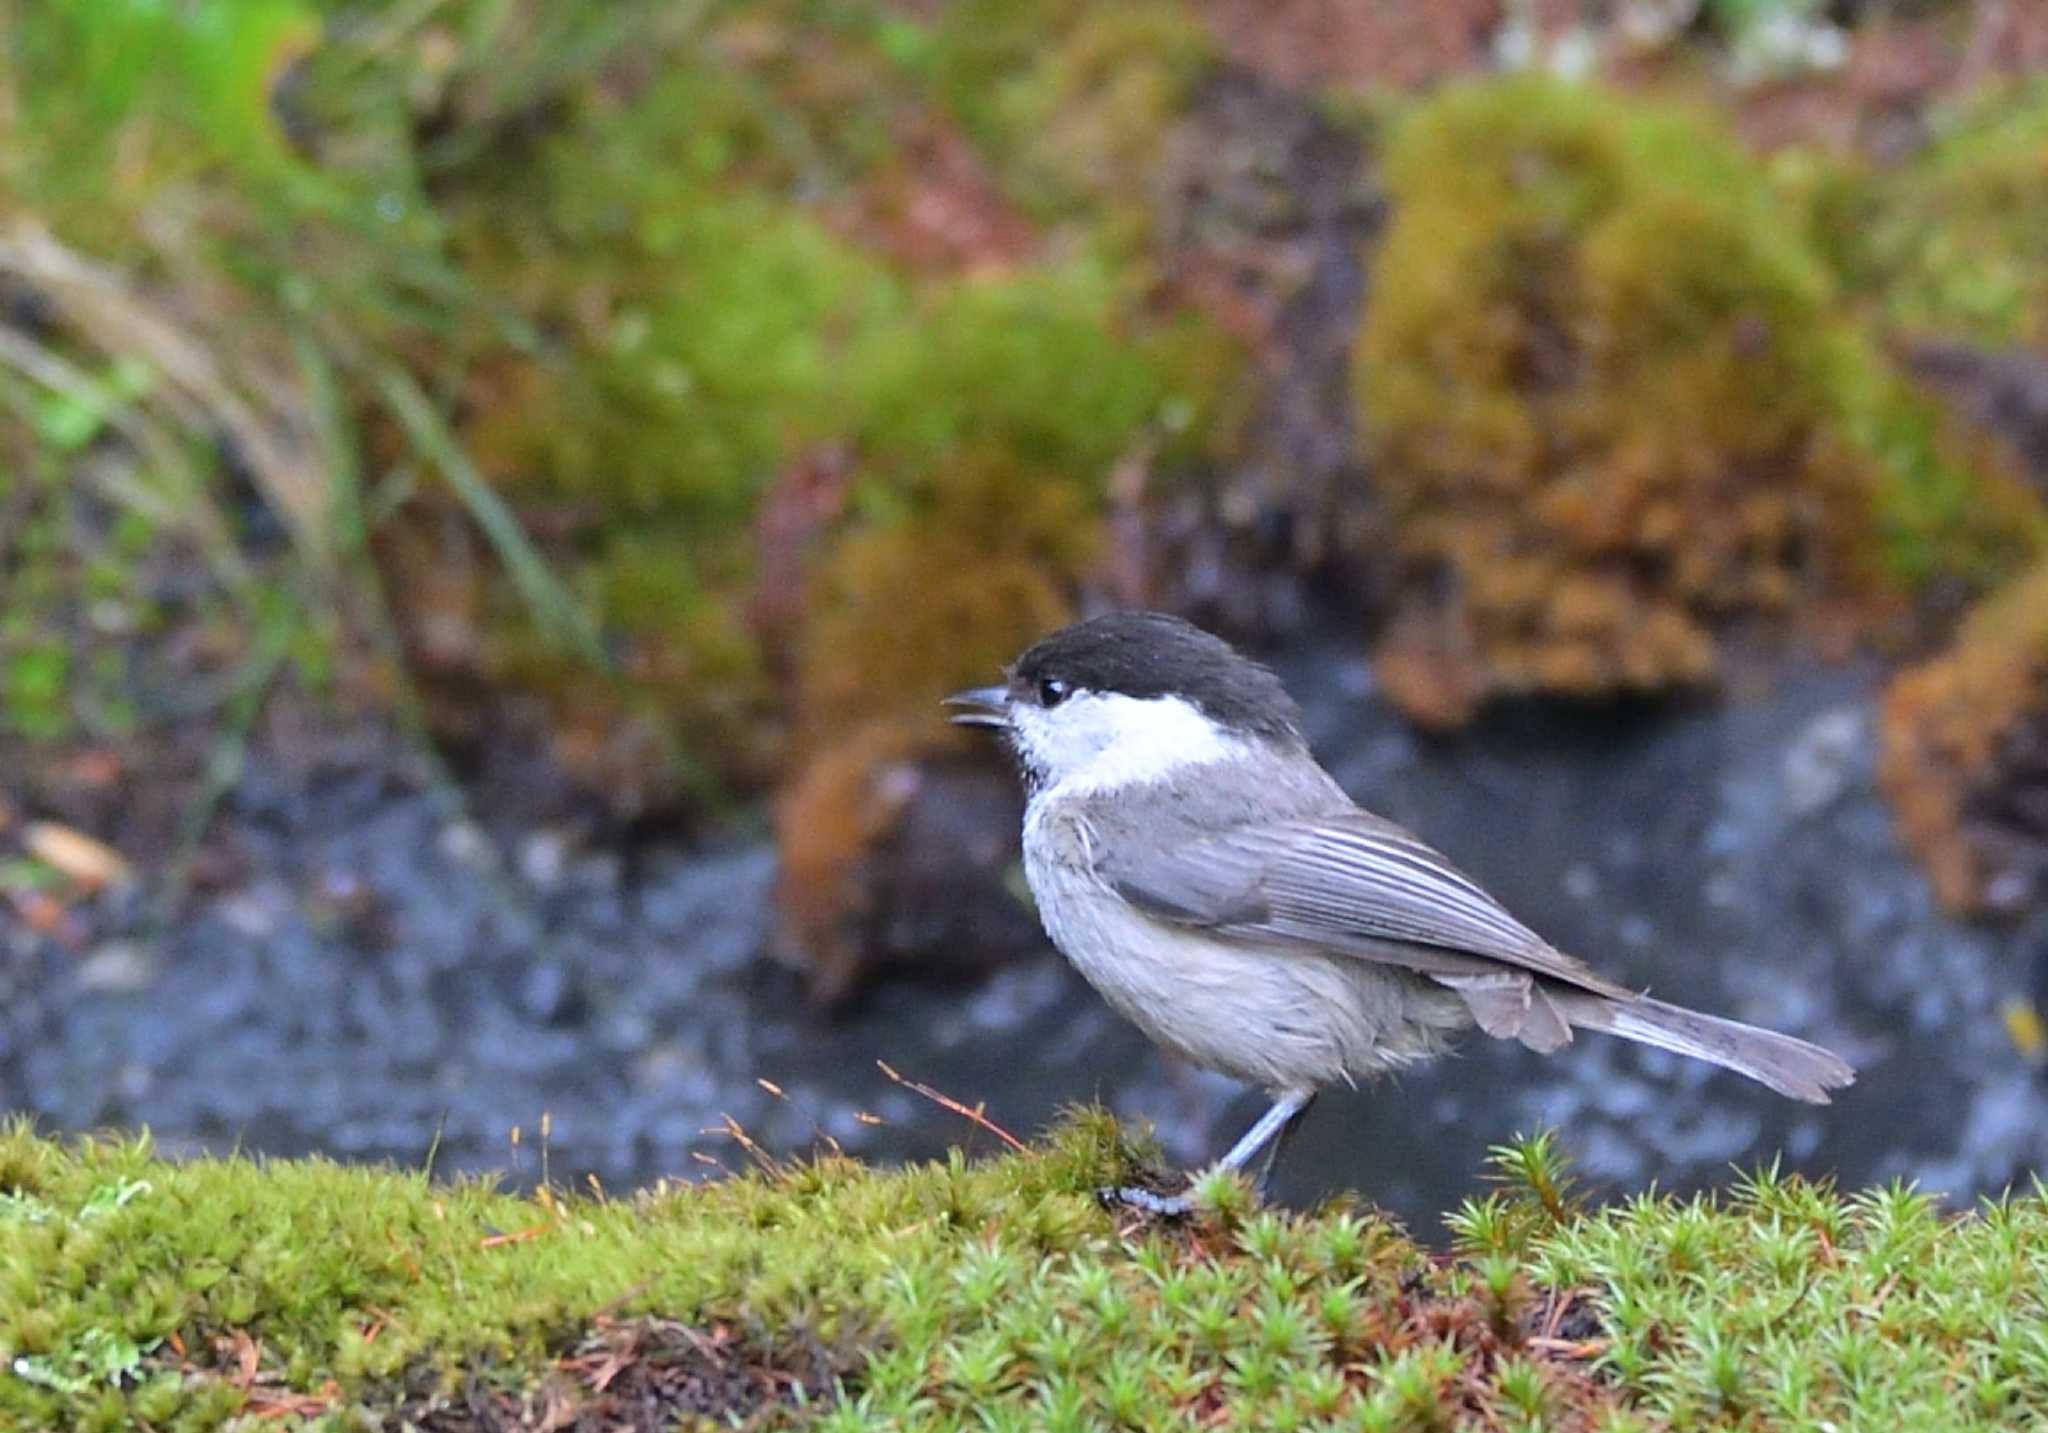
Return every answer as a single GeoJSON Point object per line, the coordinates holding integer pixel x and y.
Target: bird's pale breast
{"type": "Point", "coordinates": [1281, 1019]}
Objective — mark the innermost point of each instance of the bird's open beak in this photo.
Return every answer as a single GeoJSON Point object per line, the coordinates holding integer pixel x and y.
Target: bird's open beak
{"type": "Point", "coordinates": [980, 706]}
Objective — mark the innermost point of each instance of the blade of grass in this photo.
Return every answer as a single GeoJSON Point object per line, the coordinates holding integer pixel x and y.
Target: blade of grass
{"type": "Point", "coordinates": [558, 613]}
{"type": "Point", "coordinates": [177, 498]}
{"type": "Point", "coordinates": [340, 449]}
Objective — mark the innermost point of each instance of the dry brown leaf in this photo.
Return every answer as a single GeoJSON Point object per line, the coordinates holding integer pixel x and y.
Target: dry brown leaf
{"type": "Point", "coordinates": [90, 862]}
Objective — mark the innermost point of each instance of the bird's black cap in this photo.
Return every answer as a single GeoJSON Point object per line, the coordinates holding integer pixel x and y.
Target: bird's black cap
{"type": "Point", "coordinates": [1151, 654]}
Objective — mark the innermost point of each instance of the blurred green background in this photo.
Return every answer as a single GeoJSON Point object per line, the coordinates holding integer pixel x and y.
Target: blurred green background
{"type": "Point", "coordinates": [696, 380]}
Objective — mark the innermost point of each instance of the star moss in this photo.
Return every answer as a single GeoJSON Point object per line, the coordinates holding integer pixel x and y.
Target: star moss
{"type": "Point", "coordinates": [996, 1293]}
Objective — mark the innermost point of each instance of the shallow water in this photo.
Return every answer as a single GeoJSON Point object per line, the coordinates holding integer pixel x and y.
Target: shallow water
{"type": "Point", "coordinates": [385, 980]}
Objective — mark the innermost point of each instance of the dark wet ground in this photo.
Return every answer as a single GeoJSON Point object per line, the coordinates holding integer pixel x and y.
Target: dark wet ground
{"type": "Point", "coordinates": [380, 976]}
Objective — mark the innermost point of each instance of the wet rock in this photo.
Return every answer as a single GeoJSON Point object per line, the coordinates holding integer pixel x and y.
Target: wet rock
{"type": "Point", "coordinates": [1820, 764]}
{"type": "Point", "coordinates": [548, 993]}
{"type": "Point", "coordinates": [467, 845]}
{"type": "Point", "coordinates": [544, 859]}
{"type": "Point", "coordinates": [118, 967]}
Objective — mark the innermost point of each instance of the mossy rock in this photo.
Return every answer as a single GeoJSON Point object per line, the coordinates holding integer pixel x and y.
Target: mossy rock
{"type": "Point", "coordinates": [1965, 760]}
{"type": "Point", "coordinates": [1612, 410]}
{"type": "Point", "coordinates": [993, 1293]}
{"type": "Point", "coordinates": [1595, 376]}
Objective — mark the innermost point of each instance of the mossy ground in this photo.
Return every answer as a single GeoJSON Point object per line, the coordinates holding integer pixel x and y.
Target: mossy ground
{"type": "Point", "coordinates": [136, 1291]}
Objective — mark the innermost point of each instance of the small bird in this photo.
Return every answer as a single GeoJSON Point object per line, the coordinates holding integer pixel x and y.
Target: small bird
{"type": "Point", "coordinates": [1222, 892]}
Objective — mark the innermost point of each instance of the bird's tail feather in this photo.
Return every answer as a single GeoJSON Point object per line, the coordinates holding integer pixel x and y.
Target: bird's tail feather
{"type": "Point", "coordinates": [1791, 1067]}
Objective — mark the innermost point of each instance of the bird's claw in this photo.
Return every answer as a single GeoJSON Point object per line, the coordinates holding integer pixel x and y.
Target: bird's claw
{"type": "Point", "coordinates": [1146, 1201]}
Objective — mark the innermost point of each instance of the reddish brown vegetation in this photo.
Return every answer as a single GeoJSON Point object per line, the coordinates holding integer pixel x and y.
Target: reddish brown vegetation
{"type": "Point", "coordinates": [1966, 756]}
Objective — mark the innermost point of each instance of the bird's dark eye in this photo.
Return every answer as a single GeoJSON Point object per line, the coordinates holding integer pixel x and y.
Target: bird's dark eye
{"type": "Point", "coordinates": [1051, 692]}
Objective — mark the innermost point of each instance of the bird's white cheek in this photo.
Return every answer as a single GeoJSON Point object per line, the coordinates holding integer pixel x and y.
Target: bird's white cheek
{"type": "Point", "coordinates": [1097, 741]}
{"type": "Point", "coordinates": [1048, 748]}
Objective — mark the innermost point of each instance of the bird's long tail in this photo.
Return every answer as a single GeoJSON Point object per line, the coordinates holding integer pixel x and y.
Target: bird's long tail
{"type": "Point", "coordinates": [1791, 1067]}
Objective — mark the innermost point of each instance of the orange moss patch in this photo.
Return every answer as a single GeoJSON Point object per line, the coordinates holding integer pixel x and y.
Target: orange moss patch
{"type": "Point", "coordinates": [839, 809]}
{"type": "Point", "coordinates": [903, 614]}
{"type": "Point", "coordinates": [899, 615]}
{"type": "Point", "coordinates": [1965, 759]}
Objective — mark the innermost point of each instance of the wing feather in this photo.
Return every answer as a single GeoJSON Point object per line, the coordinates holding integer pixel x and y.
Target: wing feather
{"type": "Point", "coordinates": [1349, 882]}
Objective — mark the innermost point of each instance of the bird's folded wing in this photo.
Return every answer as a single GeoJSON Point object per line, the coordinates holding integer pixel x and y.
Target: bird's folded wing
{"type": "Point", "coordinates": [1350, 883]}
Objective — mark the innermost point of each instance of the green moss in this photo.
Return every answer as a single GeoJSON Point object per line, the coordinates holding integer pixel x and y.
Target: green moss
{"type": "Point", "coordinates": [1000, 1291]}
{"type": "Point", "coordinates": [714, 333]}
{"type": "Point", "coordinates": [1947, 503]}
{"type": "Point", "coordinates": [1773, 1301]}
{"type": "Point", "coordinates": [1956, 243]}
{"type": "Point", "coordinates": [1072, 100]}
{"type": "Point", "coordinates": [636, 257]}
{"type": "Point", "coordinates": [1034, 363]}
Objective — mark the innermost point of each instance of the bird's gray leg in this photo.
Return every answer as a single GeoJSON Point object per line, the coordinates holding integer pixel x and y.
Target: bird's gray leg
{"type": "Point", "coordinates": [1267, 1133]}
{"type": "Point", "coordinates": [1276, 1150]}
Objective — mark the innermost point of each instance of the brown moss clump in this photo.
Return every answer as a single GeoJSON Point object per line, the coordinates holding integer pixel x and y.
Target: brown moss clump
{"type": "Point", "coordinates": [899, 615]}
{"type": "Point", "coordinates": [1965, 757]}
{"type": "Point", "coordinates": [842, 806]}
{"type": "Point", "coordinates": [1598, 381]}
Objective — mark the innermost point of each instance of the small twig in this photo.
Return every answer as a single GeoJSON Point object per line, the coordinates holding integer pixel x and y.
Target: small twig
{"type": "Point", "coordinates": [612, 1306]}
{"type": "Point", "coordinates": [816, 1128]}
{"type": "Point", "coordinates": [1559, 1307]}
{"type": "Point", "coordinates": [1884, 1291]}
{"type": "Point", "coordinates": [711, 1160]}
{"type": "Point", "coordinates": [1771, 1324]}
{"type": "Point", "coordinates": [745, 1141]}
{"type": "Point", "coordinates": [519, 1236]}
{"type": "Point", "coordinates": [977, 1115]}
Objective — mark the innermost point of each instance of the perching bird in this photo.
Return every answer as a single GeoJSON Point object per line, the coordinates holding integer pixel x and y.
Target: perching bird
{"type": "Point", "coordinates": [1221, 891]}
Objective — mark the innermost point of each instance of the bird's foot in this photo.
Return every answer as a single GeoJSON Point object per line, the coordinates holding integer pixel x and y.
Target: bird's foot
{"type": "Point", "coordinates": [1147, 1201]}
